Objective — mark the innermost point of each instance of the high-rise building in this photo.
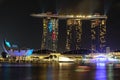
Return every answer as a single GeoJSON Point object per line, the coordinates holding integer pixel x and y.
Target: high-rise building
{"type": "Point", "coordinates": [50, 34]}
{"type": "Point", "coordinates": [98, 35]}
{"type": "Point", "coordinates": [74, 32]}
{"type": "Point", "coordinates": [107, 49]}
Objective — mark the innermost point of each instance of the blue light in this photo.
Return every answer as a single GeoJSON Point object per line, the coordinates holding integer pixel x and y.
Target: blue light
{"type": "Point", "coordinates": [50, 26]}
{"type": "Point", "coordinates": [7, 43]}
{"type": "Point", "coordinates": [100, 71]}
{"type": "Point", "coordinates": [15, 46]}
{"type": "Point", "coordinates": [100, 65]}
{"type": "Point", "coordinates": [101, 59]}
{"type": "Point", "coordinates": [16, 52]}
{"type": "Point", "coordinates": [22, 52]}
{"type": "Point", "coordinates": [29, 52]}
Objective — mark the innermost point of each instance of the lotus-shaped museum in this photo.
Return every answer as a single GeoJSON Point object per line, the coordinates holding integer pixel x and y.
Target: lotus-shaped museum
{"type": "Point", "coordinates": [14, 50]}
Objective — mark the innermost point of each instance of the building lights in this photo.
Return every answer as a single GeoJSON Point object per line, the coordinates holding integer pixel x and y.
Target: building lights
{"type": "Point", "coordinates": [98, 24]}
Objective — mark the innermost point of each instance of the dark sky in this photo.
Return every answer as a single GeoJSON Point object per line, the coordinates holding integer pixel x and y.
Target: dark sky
{"type": "Point", "coordinates": [18, 27]}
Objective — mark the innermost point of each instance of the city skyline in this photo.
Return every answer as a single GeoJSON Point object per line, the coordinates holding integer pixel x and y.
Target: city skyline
{"type": "Point", "coordinates": [17, 26]}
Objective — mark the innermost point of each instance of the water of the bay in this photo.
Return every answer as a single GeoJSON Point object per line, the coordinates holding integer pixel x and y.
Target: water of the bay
{"type": "Point", "coordinates": [58, 71]}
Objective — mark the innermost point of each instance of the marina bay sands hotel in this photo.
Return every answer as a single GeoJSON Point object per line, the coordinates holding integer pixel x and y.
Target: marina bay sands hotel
{"type": "Point", "coordinates": [50, 30]}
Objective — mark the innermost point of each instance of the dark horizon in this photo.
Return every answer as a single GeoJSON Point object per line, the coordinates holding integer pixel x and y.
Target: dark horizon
{"type": "Point", "coordinates": [18, 27]}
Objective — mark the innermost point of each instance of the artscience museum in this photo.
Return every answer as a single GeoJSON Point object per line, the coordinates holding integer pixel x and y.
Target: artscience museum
{"type": "Point", "coordinates": [14, 50]}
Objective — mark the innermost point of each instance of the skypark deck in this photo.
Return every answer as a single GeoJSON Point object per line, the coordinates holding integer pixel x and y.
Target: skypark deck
{"type": "Point", "coordinates": [81, 17]}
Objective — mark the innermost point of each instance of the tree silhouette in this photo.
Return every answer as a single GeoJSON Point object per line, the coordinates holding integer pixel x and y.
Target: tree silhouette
{"type": "Point", "coordinates": [4, 54]}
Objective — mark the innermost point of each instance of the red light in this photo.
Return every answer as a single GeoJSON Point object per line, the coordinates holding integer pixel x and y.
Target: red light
{"type": "Point", "coordinates": [53, 35]}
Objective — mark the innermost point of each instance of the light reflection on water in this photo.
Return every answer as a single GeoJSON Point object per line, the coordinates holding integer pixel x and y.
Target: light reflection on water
{"type": "Point", "coordinates": [49, 72]}
{"type": "Point", "coordinates": [101, 71]}
{"type": "Point", "coordinates": [110, 72]}
{"type": "Point", "coordinates": [56, 71]}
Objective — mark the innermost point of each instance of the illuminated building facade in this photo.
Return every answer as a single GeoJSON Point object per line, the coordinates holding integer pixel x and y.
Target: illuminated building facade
{"type": "Point", "coordinates": [14, 50]}
{"type": "Point", "coordinates": [98, 34]}
{"type": "Point", "coordinates": [74, 32]}
{"type": "Point", "coordinates": [50, 32]}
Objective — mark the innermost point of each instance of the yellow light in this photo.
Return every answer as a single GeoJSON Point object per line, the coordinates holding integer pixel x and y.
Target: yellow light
{"type": "Point", "coordinates": [83, 16]}
{"type": "Point", "coordinates": [71, 16]}
{"type": "Point", "coordinates": [103, 22]}
{"type": "Point", "coordinates": [62, 58]}
{"type": "Point", "coordinates": [89, 16]}
{"type": "Point", "coordinates": [77, 16]}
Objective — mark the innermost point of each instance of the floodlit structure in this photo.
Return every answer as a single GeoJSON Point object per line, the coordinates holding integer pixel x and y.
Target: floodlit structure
{"type": "Point", "coordinates": [98, 34]}
{"type": "Point", "coordinates": [74, 23]}
{"type": "Point", "coordinates": [50, 33]}
{"type": "Point", "coordinates": [14, 51]}
{"type": "Point", "coordinates": [74, 32]}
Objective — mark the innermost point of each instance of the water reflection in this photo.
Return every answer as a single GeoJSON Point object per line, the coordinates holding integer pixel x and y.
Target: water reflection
{"type": "Point", "coordinates": [110, 72]}
{"type": "Point", "coordinates": [65, 71]}
{"type": "Point", "coordinates": [6, 72]}
{"type": "Point", "coordinates": [28, 74]}
{"type": "Point", "coordinates": [58, 71]}
{"type": "Point", "coordinates": [49, 72]}
{"type": "Point", "coordinates": [100, 71]}
{"type": "Point", "coordinates": [54, 71]}
{"type": "Point", "coordinates": [11, 72]}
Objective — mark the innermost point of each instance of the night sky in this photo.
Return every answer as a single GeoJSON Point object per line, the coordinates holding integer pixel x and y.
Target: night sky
{"type": "Point", "coordinates": [18, 27]}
